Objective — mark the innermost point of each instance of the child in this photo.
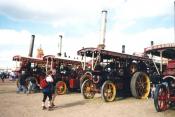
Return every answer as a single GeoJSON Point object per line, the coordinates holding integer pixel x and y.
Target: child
{"type": "Point", "coordinates": [47, 91]}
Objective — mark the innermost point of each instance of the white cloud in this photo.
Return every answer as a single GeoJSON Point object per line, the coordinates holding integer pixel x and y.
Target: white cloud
{"type": "Point", "coordinates": [138, 41]}
{"type": "Point", "coordinates": [9, 36]}
{"type": "Point", "coordinates": [13, 43]}
{"type": "Point", "coordinates": [136, 9]}
{"type": "Point", "coordinates": [114, 41]}
{"type": "Point", "coordinates": [56, 12]}
{"type": "Point", "coordinates": [18, 42]}
{"type": "Point", "coordinates": [63, 13]}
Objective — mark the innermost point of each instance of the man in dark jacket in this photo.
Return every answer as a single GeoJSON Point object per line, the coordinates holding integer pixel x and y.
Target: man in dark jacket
{"type": "Point", "coordinates": [22, 82]}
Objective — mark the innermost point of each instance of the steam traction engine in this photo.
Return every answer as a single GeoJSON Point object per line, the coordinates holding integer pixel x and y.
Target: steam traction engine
{"type": "Point", "coordinates": [164, 94]}
{"type": "Point", "coordinates": [115, 74]}
{"type": "Point", "coordinates": [67, 73]}
{"type": "Point", "coordinates": [34, 67]}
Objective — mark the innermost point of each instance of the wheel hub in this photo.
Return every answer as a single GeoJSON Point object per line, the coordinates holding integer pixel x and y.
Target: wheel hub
{"type": "Point", "coordinates": [88, 89]}
{"type": "Point", "coordinates": [109, 91]}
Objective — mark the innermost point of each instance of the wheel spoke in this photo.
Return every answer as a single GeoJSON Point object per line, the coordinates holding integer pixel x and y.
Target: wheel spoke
{"type": "Point", "coordinates": [141, 85]}
{"type": "Point", "coordinates": [108, 91]}
{"type": "Point", "coordinates": [88, 89]}
{"type": "Point", "coordinates": [163, 99]}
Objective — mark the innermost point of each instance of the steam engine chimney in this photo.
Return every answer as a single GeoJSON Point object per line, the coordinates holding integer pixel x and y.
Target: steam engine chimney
{"type": "Point", "coordinates": [103, 30]}
{"type": "Point", "coordinates": [31, 46]}
{"type": "Point", "coordinates": [152, 43]}
{"type": "Point", "coordinates": [123, 48]}
{"type": "Point", "coordinates": [60, 45]}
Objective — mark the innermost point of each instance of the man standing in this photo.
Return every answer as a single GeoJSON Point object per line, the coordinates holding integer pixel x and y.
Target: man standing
{"type": "Point", "coordinates": [22, 82]}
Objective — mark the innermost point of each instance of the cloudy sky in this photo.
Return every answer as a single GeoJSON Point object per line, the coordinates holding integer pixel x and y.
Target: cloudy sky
{"type": "Point", "coordinates": [133, 23]}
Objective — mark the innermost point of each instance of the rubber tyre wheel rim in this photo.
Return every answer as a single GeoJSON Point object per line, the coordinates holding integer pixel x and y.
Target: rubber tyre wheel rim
{"type": "Point", "coordinates": [108, 91]}
{"type": "Point", "coordinates": [86, 89]}
{"type": "Point", "coordinates": [61, 88]}
{"type": "Point", "coordinates": [140, 85]}
{"type": "Point", "coordinates": [157, 98]}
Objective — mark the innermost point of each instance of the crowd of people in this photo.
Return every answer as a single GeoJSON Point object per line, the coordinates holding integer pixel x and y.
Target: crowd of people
{"type": "Point", "coordinates": [12, 76]}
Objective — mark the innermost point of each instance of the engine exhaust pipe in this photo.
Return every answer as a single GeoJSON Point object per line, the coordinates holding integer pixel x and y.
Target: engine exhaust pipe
{"type": "Point", "coordinates": [60, 45]}
{"type": "Point", "coordinates": [31, 46]}
{"type": "Point", "coordinates": [123, 48]}
{"type": "Point", "coordinates": [152, 43]}
{"type": "Point", "coordinates": [103, 30]}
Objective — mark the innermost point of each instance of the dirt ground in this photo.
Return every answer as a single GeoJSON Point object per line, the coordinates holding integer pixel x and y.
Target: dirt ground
{"type": "Point", "coordinates": [73, 105]}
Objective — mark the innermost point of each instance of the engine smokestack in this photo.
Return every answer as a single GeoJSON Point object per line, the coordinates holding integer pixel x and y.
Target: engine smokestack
{"type": "Point", "coordinates": [123, 48]}
{"type": "Point", "coordinates": [152, 43]}
{"type": "Point", "coordinates": [103, 30]}
{"type": "Point", "coordinates": [60, 45]}
{"type": "Point", "coordinates": [31, 46]}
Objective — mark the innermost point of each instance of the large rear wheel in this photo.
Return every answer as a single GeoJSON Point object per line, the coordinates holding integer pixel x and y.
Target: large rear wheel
{"type": "Point", "coordinates": [61, 88]}
{"type": "Point", "coordinates": [108, 91]}
{"type": "Point", "coordinates": [88, 89]}
{"type": "Point", "coordinates": [161, 98]}
{"type": "Point", "coordinates": [140, 85]}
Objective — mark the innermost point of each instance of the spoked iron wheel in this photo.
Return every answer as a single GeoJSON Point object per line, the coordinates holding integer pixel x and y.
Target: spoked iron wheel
{"type": "Point", "coordinates": [140, 85]}
{"type": "Point", "coordinates": [108, 91]}
{"type": "Point", "coordinates": [88, 89]}
{"type": "Point", "coordinates": [161, 98]}
{"type": "Point", "coordinates": [61, 88]}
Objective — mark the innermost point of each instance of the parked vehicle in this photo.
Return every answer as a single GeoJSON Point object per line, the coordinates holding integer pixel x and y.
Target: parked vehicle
{"type": "Point", "coordinates": [33, 67]}
{"type": "Point", "coordinates": [68, 72]}
{"type": "Point", "coordinates": [115, 74]}
{"type": "Point", "coordinates": [164, 94]}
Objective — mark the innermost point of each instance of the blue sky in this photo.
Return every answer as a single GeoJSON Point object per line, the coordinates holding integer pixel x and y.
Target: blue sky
{"type": "Point", "coordinates": [131, 22]}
